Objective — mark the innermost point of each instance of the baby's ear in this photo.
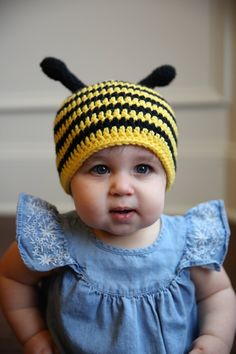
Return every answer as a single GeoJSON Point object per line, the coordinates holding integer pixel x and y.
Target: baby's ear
{"type": "Point", "coordinates": [161, 76]}
{"type": "Point", "coordinates": [57, 70]}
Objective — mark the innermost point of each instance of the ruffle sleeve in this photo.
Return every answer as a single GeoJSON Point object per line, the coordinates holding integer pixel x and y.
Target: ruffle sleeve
{"type": "Point", "coordinates": [40, 235]}
{"type": "Point", "coordinates": [207, 236]}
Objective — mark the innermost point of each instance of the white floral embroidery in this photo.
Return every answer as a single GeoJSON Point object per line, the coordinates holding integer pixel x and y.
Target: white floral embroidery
{"type": "Point", "coordinates": [207, 235]}
{"type": "Point", "coordinates": [41, 228]}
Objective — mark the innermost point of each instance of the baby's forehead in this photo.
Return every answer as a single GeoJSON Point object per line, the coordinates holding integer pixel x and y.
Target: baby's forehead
{"type": "Point", "coordinates": [127, 150]}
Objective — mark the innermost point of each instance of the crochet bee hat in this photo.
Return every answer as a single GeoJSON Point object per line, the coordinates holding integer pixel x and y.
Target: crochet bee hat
{"type": "Point", "coordinates": [112, 113]}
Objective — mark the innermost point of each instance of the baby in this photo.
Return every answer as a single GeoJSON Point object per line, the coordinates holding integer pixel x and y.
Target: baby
{"type": "Point", "coordinates": [119, 276]}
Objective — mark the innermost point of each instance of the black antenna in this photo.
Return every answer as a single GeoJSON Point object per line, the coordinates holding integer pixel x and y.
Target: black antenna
{"type": "Point", "coordinates": [57, 70]}
{"type": "Point", "coordinates": [161, 76]}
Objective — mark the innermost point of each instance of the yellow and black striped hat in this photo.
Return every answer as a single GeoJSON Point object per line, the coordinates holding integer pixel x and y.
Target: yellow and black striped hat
{"type": "Point", "coordinates": [112, 113]}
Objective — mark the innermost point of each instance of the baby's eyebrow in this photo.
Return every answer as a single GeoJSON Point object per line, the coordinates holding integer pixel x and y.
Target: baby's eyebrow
{"type": "Point", "coordinates": [146, 157]}
{"type": "Point", "coordinates": [106, 157]}
{"type": "Point", "coordinates": [97, 156]}
{"type": "Point", "coordinates": [93, 159]}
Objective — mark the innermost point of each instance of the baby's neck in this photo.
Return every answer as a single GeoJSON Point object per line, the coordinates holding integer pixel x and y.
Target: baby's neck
{"type": "Point", "coordinates": [140, 239]}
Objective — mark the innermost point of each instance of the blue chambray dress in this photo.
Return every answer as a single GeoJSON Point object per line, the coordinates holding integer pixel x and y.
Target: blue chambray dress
{"type": "Point", "coordinates": [108, 300]}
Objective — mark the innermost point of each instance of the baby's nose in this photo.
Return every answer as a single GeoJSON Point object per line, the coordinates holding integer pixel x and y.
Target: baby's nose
{"type": "Point", "coordinates": [121, 184]}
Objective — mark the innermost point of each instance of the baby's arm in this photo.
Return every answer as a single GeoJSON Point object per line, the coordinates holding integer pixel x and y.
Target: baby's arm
{"type": "Point", "coordinates": [217, 312]}
{"type": "Point", "coordinates": [19, 302]}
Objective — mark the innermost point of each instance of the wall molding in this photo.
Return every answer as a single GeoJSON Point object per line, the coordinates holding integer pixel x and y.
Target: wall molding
{"type": "Point", "coordinates": [26, 151]}
{"type": "Point", "coordinates": [190, 149]}
{"type": "Point", "coordinates": [50, 101]}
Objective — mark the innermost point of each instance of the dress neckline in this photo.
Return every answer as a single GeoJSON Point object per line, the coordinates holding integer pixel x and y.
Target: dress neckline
{"type": "Point", "coordinates": [129, 251]}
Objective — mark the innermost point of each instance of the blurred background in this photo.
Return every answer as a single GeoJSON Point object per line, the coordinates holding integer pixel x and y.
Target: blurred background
{"type": "Point", "coordinates": [126, 40]}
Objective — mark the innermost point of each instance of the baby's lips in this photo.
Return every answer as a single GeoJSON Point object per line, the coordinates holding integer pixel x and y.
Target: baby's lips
{"type": "Point", "coordinates": [122, 210]}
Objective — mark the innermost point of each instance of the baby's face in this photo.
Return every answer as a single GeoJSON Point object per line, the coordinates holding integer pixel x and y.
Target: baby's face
{"type": "Point", "coordinates": [120, 190]}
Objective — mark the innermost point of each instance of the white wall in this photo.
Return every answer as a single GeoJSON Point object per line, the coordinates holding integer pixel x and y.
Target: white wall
{"type": "Point", "coordinates": [106, 39]}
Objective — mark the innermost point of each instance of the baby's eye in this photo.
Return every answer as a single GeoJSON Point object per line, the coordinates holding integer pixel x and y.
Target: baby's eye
{"type": "Point", "coordinates": [142, 169]}
{"type": "Point", "coordinates": [100, 169]}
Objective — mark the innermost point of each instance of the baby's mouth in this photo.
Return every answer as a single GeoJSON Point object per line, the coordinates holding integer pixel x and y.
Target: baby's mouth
{"type": "Point", "coordinates": [121, 210]}
{"type": "Point", "coordinates": [122, 214]}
